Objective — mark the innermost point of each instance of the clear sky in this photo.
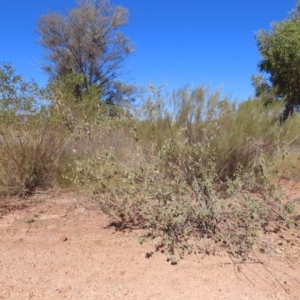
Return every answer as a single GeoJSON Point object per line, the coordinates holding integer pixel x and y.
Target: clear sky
{"type": "Point", "coordinates": [177, 42]}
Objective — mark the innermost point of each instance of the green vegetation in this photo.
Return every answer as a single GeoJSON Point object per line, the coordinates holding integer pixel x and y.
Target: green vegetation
{"type": "Point", "coordinates": [203, 170]}
{"type": "Point", "coordinates": [190, 166]}
{"type": "Point", "coordinates": [30, 139]}
{"type": "Point", "coordinates": [87, 42]}
{"type": "Point", "coordinates": [280, 51]}
{"type": "Point", "coordinates": [187, 167]}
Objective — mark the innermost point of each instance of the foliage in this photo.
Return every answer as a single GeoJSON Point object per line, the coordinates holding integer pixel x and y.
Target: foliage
{"type": "Point", "coordinates": [188, 167]}
{"type": "Point", "coordinates": [30, 139]}
{"type": "Point", "coordinates": [69, 107]}
{"type": "Point", "coordinates": [87, 42]}
{"type": "Point", "coordinates": [194, 169]}
{"type": "Point", "coordinates": [280, 51]}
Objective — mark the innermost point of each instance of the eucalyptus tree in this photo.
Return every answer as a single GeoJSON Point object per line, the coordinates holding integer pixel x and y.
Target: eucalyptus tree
{"type": "Point", "coordinates": [280, 52]}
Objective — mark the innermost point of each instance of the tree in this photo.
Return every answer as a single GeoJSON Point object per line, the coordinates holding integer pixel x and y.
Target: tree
{"type": "Point", "coordinates": [86, 41]}
{"type": "Point", "coordinates": [280, 51]}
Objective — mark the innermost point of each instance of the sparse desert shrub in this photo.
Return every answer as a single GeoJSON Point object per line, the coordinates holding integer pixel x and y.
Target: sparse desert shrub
{"type": "Point", "coordinates": [30, 139]}
{"type": "Point", "coordinates": [285, 161]}
{"type": "Point", "coordinates": [201, 172]}
{"type": "Point", "coordinates": [100, 153]}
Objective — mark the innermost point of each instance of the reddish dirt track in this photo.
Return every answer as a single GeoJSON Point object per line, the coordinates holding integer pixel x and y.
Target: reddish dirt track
{"type": "Point", "coordinates": [59, 246]}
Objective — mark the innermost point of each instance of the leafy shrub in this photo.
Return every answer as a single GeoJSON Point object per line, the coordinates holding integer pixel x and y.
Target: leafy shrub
{"type": "Point", "coordinates": [30, 139]}
{"type": "Point", "coordinates": [201, 171]}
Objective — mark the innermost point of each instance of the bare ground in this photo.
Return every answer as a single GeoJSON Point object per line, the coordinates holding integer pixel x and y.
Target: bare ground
{"type": "Point", "coordinates": [59, 246]}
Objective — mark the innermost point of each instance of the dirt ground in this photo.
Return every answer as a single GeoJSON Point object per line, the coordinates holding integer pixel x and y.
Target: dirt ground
{"type": "Point", "coordinates": [59, 246]}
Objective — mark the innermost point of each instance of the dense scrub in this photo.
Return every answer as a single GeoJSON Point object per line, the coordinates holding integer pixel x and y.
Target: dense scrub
{"type": "Point", "coordinates": [195, 166]}
{"type": "Point", "coordinates": [189, 166]}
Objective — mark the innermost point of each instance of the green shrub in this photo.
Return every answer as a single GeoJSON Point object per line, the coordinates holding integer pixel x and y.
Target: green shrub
{"type": "Point", "coordinates": [200, 170]}
{"type": "Point", "coordinates": [30, 139]}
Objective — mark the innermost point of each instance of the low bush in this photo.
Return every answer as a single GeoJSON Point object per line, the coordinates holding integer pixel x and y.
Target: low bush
{"type": "Point", "coordinates": [185, 167]}
{"type": "Point", "coordinates": [30, 139]}
{"type": "Point", "coordinates": [200, 171]}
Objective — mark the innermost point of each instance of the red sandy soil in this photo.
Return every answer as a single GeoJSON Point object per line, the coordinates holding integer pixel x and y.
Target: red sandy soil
{"type": "Point", "coordinates": [59, 246]}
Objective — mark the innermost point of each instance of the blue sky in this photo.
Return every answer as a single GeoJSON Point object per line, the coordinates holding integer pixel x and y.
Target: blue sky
{"type": "Point", "coordinates": [178, 42]}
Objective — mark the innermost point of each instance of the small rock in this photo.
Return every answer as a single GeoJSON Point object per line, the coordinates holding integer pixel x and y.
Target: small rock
{"type": "Point", "coordinates": [63, 238]}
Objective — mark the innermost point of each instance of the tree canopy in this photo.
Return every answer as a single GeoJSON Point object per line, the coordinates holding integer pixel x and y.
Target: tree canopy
{"type": "Point", "coordinates": [280, 52]}
{"type": "Point", "coordinates": [86, 41]}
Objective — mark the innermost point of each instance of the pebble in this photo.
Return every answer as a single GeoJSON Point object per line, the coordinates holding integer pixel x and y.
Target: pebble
{"type": "Point", "coordinates": [63, 238]}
